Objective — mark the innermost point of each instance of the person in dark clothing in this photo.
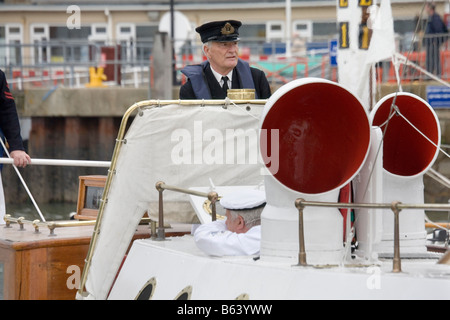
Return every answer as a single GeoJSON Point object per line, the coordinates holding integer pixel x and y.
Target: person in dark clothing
{"type": "Point", "coordinates": [434, 38]}
{"type": "Point", "coordinates": [10, 130]}
{"type": "Point", "coordinates": [9, 124]}
{"type": "Point", "coordinates": [223, 70]}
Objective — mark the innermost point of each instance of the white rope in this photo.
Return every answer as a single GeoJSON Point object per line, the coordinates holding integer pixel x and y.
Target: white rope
{"type": "Point", "coordinates": [23, 183]}
{"type": "Point", "coordinates": [229, 101]}
{"type": "Point", "coordinates": [438, 177]}
{"type": "Point", "coordinates": [396, 63]}
{"type": "Point", "coordinates": [429, 140]}
{"type": "Point", "coordinates": [438, 226]}
{"type": "Point", "coordinates": [406, 62]}
{"type": "Point", "coordinates": [387, 120]}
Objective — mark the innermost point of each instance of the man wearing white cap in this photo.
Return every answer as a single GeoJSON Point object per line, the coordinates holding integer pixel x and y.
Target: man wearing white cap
{"type": "Point", "coordinates": [240, 233]}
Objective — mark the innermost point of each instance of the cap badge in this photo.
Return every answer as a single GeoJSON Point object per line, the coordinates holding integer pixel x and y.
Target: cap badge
{"type": "Point", "coordinates": [227, 29]}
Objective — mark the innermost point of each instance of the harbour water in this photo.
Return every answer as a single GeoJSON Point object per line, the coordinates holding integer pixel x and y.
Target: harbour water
{"type": "Point", "coordinates": [50, 211]}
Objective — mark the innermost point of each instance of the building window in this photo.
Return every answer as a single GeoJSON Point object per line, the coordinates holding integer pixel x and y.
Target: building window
{"type": "Point", "coordinates": [302, 29]}
{"type": "Point", "coordinates": [68, 45]}
{"type": "Point", "coordinates": [275, 31]}
{"type": "Point", "coordinates": [12, 37]}
{"type": "Point", "coordinates": [40, 37]}
{"type": "Point", "coordinates": [253, 37]}
{"type": "Point", "coordinates": [325, 29]}
{"type": "Point", "coordinates": [126, 37]}
{"type": "Point", "coordinates": [145, 36]}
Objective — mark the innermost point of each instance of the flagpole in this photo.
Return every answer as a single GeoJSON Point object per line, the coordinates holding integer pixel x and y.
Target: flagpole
{"type": "Point", "coordinates": [288, 28]}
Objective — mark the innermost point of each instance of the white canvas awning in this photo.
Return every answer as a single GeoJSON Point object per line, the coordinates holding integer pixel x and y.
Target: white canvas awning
{"type": "Point", "coordinates": [182, 145]}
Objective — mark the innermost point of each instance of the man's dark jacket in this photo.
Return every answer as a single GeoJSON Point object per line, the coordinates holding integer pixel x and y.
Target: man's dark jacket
{"type": "Point", "coordinates": [9, 120]}
{"type": "Point", "coordinates": [213, 90]}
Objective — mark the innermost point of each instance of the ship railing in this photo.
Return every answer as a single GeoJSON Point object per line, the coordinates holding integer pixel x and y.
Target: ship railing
{"type": "Point", "coordinates": [51, 162]}
{"type": "Point", "coordinates": [395, 206]}
{"type": "Point", "coordinates": [37, 224]}
{"type": "Point", "coordinates": [300, 204]}
{"type": "Point", "coordinates": [52, 225]}
{"type": "Point", "coordinates": [161, 186]}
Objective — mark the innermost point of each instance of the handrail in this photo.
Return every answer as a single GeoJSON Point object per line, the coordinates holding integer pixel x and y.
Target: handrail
{"type": "Point", "coordinates": [51, 225]}
{"type": "Point", "coordinates": [395, 206]}
{"type": "Point", "coordinates": [184, 190]}
{"type": "Point", "coordinates": [161, 186]}
{"type": "Point", "coordinates": [61, 162]}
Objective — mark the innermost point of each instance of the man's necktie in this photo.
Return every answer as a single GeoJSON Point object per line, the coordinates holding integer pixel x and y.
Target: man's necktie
{"type": "Point", "coordinates": [225, 84]}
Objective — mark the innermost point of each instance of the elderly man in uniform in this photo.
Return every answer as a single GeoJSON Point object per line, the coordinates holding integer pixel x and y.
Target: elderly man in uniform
{"type": "Point", "coordinates": [223, 70]}
{"type": "Point", "coordinates": [240, 233]}
{"type": "Point", "coordinates": [10, 127]}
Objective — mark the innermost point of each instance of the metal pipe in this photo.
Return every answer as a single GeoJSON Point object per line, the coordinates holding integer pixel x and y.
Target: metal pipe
{"type": "Point", "coordinates": [395, 206]}
{"type": "Point", "coordinates": [299, 204]}
{"type": "Point", "coordinates": [445, 225]}
{"type": "Point", "coordinates": [401, 206]}
{"type": "Point", "coordinates": [62, 223]}
{"type": "Point", "coordinates": [164, 186]}
{"type": "Point", "coordinates": [61, 162]}
{"type": "Point", "coordinates": [213, 197]}
{"type": "Point", "coordinates": [397, 266]}
{"type": "Point", "coordinates": [160, 230]}
{"type": "Point", "coordinates": [51, 225]}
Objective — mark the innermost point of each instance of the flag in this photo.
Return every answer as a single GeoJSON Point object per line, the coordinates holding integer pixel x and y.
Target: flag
{"type": "Point", "coordinates": [382, 43]}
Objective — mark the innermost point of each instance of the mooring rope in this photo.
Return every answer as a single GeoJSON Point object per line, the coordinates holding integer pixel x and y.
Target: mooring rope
{"type": "Point", "coordinates": [228, 101]}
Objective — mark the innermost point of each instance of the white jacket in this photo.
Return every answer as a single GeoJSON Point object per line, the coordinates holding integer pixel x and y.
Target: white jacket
{"type": "Point", "coordinates": [216, 240]}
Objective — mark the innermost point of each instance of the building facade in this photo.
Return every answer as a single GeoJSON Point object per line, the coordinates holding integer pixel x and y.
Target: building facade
{"type": "Point", "coordinates": [65, 32]}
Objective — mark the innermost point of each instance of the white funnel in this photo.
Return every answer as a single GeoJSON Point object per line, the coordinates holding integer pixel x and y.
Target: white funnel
{"type": "Point", "coordinates": [407, 155]}
{"type": "Point", "coordinates": [324, 136]}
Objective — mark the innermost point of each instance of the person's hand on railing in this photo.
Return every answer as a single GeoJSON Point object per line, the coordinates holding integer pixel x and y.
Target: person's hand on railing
{"type": "Point", "coordinates": [21, 158]}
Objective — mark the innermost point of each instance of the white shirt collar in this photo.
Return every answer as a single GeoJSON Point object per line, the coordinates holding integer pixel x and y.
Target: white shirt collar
{"type": "Point", "coordinates": [218, 77]}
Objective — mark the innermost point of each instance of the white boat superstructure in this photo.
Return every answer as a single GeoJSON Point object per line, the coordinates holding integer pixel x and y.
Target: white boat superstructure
{"type": "Point", "coordinates": [345, 207]}
{"type": "Point", "coordinates": [322, 152]}
{"type": "Point", "coordinates": [178, 265]}
{"type": "Point", "coordinates": [188, 154]}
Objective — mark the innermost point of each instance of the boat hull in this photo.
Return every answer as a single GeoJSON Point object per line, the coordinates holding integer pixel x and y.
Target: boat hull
{"type": "Point", "coordinates": [177, 266]}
